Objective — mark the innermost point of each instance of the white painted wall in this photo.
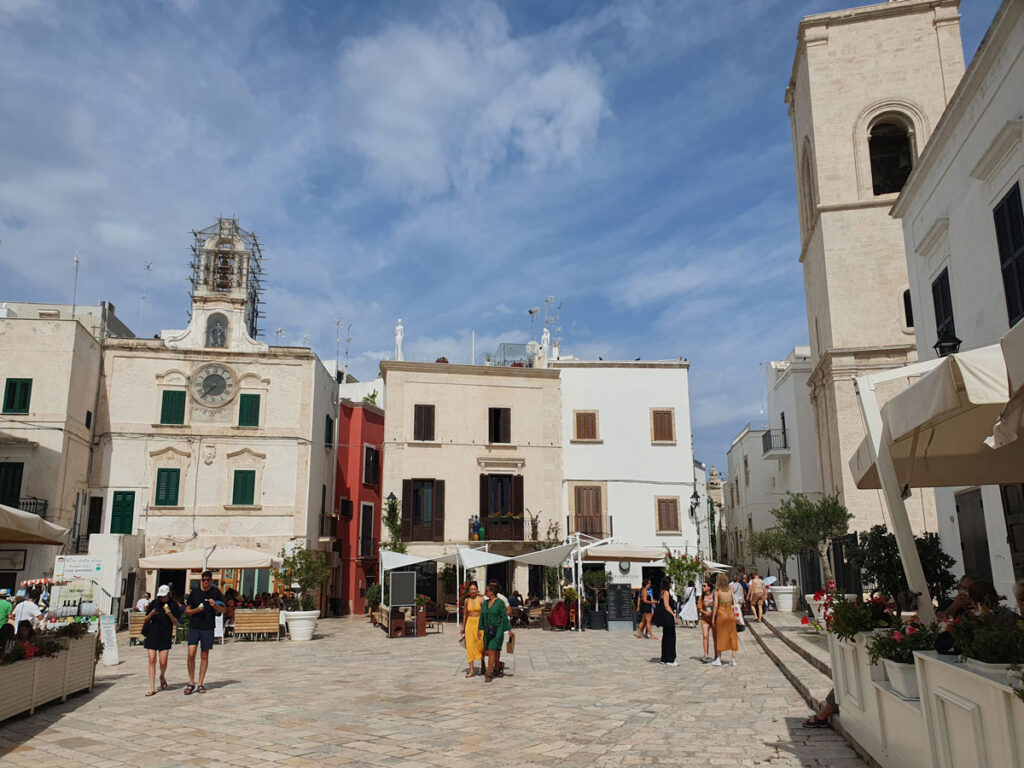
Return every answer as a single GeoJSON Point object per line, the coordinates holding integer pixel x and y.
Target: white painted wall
{"type": "Point", "coordinates": [974, 158]}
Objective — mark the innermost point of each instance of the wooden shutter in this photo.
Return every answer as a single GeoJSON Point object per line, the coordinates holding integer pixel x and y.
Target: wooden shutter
{"type": "Point", "coordinates": [668, 515]}
{"type": "Point", "coordinates": [328, 432]}
{"type": "Point", "coordinates": [407, 510]}
{"type": "Point", "coordinates": [505, 429]}
{"type": "Point", "coordinates": [423, 422]}
{"type": "Point", "coordinates": [249, 411]}
{"type": "Point", "coordinates": [417, 422]}
{"type": "Point", "coordinates": [586, 426]}
{"type": "Point", "coordinates": [122, 512]}
{"type": "Point", "coordinates": [970, 513]}
{"type": "Point", "coordinates": [244, 491]}
{"type": "Point", "coordinates": [943, 302]}
{"type": "Point", "coordinates": [492, 425]}
{"type": "Point", "coordinates": [1009, 220]}
{"type": "Point", "coordinates": [167, 481]}
{"type": "Point", "coordinates": [10, 483]}
{"type": "Point", "coordinates": [485, 495]}
{"type": "Point", "coordinates": [517, 495]}
{"type": "Point", "coordinates": [438, 510]}
{"type": "Point", "coordinates": [663, 426]}
{"type": "Point", "coordinates": [1013, 511]}
{"type": "Point", "coordinates": [17, 395]}
{"type": "Point", "coordinates": [172, 407]}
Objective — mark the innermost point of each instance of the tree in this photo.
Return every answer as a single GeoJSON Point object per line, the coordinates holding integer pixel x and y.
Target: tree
{"type": "Point", "coordinates": [308, 570]}
{"type": "Point", "coordinates": [392, 519]}
{"type": "Point", "coordinates": [776, 545]}
{"type": "Point", "coordinates": [371, 398]}
{"type": "Point", "coordinates": [812, 525]}
{"type": "Point", "coordinates": [878, 556]}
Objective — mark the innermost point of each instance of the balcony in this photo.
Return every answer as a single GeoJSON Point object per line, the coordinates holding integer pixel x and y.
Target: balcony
{"type": "Point", "coordinates": [368, 547]}
{"type": "Point", "coordinates": [499, 529]}
{"type": "Point", "coordinates": [328, 526]}
{"type": "Point", "coordinates": [774, 443]}
{"type": "Point", "coordinates": [592, 525]}
{"type": "Point", "coordinates": [33, 505]}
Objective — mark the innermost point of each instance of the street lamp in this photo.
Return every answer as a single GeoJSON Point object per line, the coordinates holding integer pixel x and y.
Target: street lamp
{"type": "Point", "coordinates": [391, 499]}
{"type": "Point", "coordinates": [694, 501]}
{"type": "Point", "coordinates": [948, 344]}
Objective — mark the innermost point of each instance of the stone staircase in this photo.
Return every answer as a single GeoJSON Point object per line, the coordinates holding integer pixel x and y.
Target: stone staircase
{"type": "Point", "coordinates": [798, 651]}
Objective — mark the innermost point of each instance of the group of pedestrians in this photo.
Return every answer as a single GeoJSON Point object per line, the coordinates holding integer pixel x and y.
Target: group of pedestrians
{"type": "Point", "coordinates": [486, 630]}
{"type": "Point", "coordinates": [201, 608]}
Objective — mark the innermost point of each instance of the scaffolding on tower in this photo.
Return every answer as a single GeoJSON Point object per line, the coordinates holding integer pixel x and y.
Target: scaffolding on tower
{"type": "Point", "coordinates": [214, 269]}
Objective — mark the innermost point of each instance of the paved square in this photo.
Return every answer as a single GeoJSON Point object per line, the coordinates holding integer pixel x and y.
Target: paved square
{"type": "Point", "coordinates": [352, 697]}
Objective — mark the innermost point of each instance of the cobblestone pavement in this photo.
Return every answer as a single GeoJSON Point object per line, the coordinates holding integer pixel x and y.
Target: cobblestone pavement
{"type": "Point", "coordinates": [353, 697]}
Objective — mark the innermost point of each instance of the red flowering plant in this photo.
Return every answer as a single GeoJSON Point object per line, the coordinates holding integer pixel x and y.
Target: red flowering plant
{"type": "Point", "coordinates": [824, 599]}
{"type": "Point", "coordinates": [848, 618]}
{"type": "Point", "coordinates": [900, 644]}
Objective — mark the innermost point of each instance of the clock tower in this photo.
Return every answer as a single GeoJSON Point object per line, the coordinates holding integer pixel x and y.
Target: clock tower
{"type": "Point", "coordinates": [226, 274]}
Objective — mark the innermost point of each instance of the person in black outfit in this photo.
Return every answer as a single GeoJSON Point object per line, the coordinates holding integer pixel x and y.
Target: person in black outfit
{"type": "Point", "coordinates": [668, 627]}
{"type": "Point", "coordinates": [161, 620]}
{"type": "Point", "coordinates": [202, 607]}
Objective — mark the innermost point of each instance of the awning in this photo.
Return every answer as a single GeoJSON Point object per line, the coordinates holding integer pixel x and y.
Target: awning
{"type": "Point", "coordinates": [220, 557]}
{"type": "Point", "coordinates": [20, 527]}
{"type": "Point", "coordinates": [623, 553]}
{"type": "Point", "coordinates": [937, 427]}
{"type": "Point", "coordinates": [552, 557]}
{"type": "Point", "coordinates": [1011, 422]}
{"type": "Point", "coordinates": [475, 558]}
{"type": "Point", "coordinates": [390, 560]}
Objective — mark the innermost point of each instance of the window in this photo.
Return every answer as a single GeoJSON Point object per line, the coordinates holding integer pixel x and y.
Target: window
{"type": "Point", "coordinates": [167, 487]}
{"type": "Point", "coordinates": [808, 198]}
{"type": "Point", "coordinates": [663, 428]}
{"type": "Point", "coordinates": [244, 491]}
{"type": "Point", "coordinates": [1013, 511]}
{"type": "Point", "coordinates": [172, 407]}
{"type": "Point", "coordinates": [17, 395]}
{"type": "Point", "coordinates": [345, 509]}
{"type": "Point", "coordinates": [371, 465]}
{"type": "Point", "coordinates": [217, 331]}
{"type": "Point", "coordinates": [423, 422]}
{"type": "Point", "coordinates": [746, 470]}
{"type": "Point", "coordinates": [588, 510]}
{"type": "Point", "coordinates": [908, 310]}
{"type": "Point", "coordinates": [10, 482]}
{"type": "Point", "coordinates": [941, 297]}
{"type": "Point", "coordinates": [668, 514]}
{"type": "Point", "coordinates": [366, 530]}
{"type": "Point", "coordinates": [88, 419]}
{"type": "Point", "coordinates": [892, 157]}
{"type": "Point", "coordinates": [586, 425]}
{"type": "Point", "coordinates": [248, 410]}
{"type": "Point", "coordinates": [499, 425]}
{"type": "Point", "coordinates": [1010, 236]}
{"type": "Point", "coordinates": [328, 432]}
{"type": "Point", "coordinates": [122, 512]}
{"type": "Point", "coordinates": [423, 510]}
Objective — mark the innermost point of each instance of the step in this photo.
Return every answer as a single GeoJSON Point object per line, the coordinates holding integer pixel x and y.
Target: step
{"type": "Point", "coordinates": [808, 680]}
{"type": "Point", "coordinates": [798, 638]}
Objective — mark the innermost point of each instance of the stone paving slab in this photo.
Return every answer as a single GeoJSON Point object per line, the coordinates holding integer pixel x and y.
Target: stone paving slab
{"type": "Point", "coordinates": [352, 697]}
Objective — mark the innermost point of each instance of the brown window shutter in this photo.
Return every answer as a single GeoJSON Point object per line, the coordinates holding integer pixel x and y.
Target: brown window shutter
{"type": "Point", "coordinates": [407, 510]}
{"type": "Point", "coordinates": [672, 514]}
{"type": "Point", "coordinates": [506, 425]}
{"type": "Point", "coordinates": [586, 426]}
{"type": "Point", "coordinates": [485, 496]}
{"type": "Point", "coordinates": [439, 510]}
{"type": "Point", "coordinates": [428, 422]}
{"type": "Point", "coordinates": [417, 422]}
{"type": "Point", "coordinates": [663, 426]}
{"type": "Point", "coordinates": [661, 515]}
{"type": "Point", "coordinates": [517, 495]}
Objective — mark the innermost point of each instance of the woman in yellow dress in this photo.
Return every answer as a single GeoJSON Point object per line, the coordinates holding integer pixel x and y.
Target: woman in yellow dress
{"type": "Point", "coordinates": [723, 619]}
{"type": "Point", "coordinates": [471, 629]}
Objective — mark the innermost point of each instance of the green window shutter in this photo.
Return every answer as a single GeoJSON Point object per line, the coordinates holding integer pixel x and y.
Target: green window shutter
{"type": "Point", "coordinates": [122, 511]}
{"type": "Point", "coordinates": [172, 407]}
{"type": "Point", "coordinates": [17, 395]}
{"type": "Point", "coordinates": [249, 411]}
{"type": "Point", "coordinates": [167, 487]}
{"type": "Point", "coordinates": [244, 491]}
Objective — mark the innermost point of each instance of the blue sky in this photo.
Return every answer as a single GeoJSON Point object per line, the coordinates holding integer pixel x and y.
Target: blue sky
{"type": "Point", "coordinates": [449, 163]}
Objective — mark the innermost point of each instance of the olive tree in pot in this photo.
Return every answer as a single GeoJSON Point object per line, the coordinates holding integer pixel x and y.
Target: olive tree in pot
{"type": "Point", "coordinates": [776, 545]}
{"type": "Point", "coordinates": [309, 571]}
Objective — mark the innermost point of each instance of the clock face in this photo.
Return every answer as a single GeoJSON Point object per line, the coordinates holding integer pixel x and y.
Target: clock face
{"type": "Point", "coordinates": [213, 384]}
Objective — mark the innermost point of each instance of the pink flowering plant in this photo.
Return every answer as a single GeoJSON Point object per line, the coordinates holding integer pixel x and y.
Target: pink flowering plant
{"type": "Point", "coordinates": [900, 644]}
{"type": "Point", "coordinates": [682, 568]}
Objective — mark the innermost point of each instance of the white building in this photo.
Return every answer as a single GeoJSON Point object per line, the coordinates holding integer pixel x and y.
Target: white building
{"type": "Point", "coordinates": [627, 457]}
{"type": "Point", "coordinates": [964, 234]}
{"type": "Point", "coordinates": [99, 320]}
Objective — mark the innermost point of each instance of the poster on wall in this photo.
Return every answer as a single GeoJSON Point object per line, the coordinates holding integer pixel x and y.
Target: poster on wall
{"type": "Point", "coordinates": [76, 589]}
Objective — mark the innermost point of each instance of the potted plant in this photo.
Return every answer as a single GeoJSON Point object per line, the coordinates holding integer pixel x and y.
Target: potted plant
{"type": "Point", "coordinates": [373, 593]}
{"type": "Point", "coordinates": [596, 582]}
{"type": "Point", "coordinates": [849, 618]}
{"type": "Point", "coordinates": [896, 651]}
{"type": "Point", "coordinates": [989, 639]}
{"type": "Point", "coordinates": [777, 546]}
{"type": "Point", "coordinates": [307, 570]}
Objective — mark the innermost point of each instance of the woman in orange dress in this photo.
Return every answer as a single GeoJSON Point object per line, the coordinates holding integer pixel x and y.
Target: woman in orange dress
{"type": "Point", "coordinates": [471, 629]}
{"type": "Point", "coordinates": [724, 621]}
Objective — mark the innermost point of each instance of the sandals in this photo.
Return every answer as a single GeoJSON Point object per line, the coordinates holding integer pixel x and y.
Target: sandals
{"type": "Point", "coordinates": [201, 689]}
{"type": "Point", "coordinates": [151, 693]}
{"type": "Point", "coordinates": [189, 688]}
{"type": "Point", "coordinates": [487, 678]}
{"type": "Point", "coordinates": [163, 685]}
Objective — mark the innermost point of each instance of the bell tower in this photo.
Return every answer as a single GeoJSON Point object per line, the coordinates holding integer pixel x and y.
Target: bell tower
{"type": "Point", "coordinates": [868, 86]}
{"type": "Point", "coordinates": [226, 290]}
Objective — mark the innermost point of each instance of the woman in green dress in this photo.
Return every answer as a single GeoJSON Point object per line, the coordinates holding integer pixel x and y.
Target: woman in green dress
{"type": "Point", "coordinates": [493, 625]}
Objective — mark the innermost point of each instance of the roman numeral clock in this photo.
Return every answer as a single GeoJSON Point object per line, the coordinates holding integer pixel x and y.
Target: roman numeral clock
{"type": "Point", "coordinates": [213, 385]}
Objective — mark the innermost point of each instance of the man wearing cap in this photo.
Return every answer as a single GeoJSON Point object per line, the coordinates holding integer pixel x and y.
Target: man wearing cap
{"type": "Point", "coordinates": [202, 606]}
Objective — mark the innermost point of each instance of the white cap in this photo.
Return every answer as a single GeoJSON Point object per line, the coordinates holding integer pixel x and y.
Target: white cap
{"type": "Point", "coordinates": [164, 591]}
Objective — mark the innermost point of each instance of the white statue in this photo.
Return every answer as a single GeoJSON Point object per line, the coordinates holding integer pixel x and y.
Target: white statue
{"type": "Point", "coordinates": [399, 333]}
{"type": "Point", "coordinates": [545, 339]}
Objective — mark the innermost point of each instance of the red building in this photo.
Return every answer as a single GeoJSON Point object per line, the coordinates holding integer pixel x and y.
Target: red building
{"type": "Point", "coordinates": [360, 443]}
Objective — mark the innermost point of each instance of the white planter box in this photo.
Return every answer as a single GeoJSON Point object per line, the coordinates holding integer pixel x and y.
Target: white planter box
{"type": "Point", "coordinates": [817, 604]}
{"type": "Point", "coordinates": [973, 719]}
{"type": "Point", "coordinates": [902, 678]}
{"type": "Point", "coordinates": [33, 682]}
{"type": "Point", "coordinates": [785, 598]}
{"type": "Point", "coordinates": [16, 683]}
{"type": "Point", "coordinates": [301, 624]}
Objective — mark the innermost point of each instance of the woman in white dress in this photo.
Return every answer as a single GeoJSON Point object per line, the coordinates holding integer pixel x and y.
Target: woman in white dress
{"type": "Point", "coordinates": [688, 611]}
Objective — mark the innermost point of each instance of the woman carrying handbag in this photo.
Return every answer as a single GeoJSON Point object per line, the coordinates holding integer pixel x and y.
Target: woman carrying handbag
{"type": "Point", "coordinates": [666, 619]}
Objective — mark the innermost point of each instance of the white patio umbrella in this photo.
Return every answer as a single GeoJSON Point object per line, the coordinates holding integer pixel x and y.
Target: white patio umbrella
{"type": "Point", "coordinates": [20, 527]}
{"type": "Point", "coordinates": [219, 558]}
{"type": "Point", "coordinates": [1011, 421]}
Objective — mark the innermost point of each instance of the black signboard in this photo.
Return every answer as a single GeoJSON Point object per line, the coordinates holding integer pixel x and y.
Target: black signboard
{"type": "Point", "coordinates": [620, 603]}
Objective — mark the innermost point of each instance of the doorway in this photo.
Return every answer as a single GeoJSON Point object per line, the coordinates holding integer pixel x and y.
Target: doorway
{"type": "Point", "coordinates": [1013, 510]}
{"type": "Point", "coordinates": [970, 515]}
{"type": "Point", "coordinates": [175, 580]}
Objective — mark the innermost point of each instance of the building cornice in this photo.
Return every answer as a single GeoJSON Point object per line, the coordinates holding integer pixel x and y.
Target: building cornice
{"type": "Point", "coordinates": [565, 364]}
{"type": "Point", "coordinates": [362, 404]}
{"type": "Point", "coordinates": [387, 366]}
{"type": "Point", "coordinates": [982, 63]}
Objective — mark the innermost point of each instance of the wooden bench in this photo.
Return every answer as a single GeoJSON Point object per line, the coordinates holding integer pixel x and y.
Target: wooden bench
{"type": "Point", "coordinates": [257, 621]}
{"type": "Point", "coordinates": [135, 622]}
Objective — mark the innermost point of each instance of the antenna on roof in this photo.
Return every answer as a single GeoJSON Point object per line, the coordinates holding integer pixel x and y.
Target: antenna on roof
{"type": "Point", "coordinates": [74, 293]}
{"type": "Point", "coordinates": [533, 316]}
{"type": "Point", "coordinates": [148, 267]}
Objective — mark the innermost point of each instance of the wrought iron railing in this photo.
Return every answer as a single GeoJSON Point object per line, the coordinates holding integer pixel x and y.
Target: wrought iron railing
{"type": "Point", "coordinates": [33, 505]}
{"type": "Point", "coordinates": [773, 440]}
{"type": "Point", "coordinates": [498, 529]}
{"type": "Point", "coordinates": [328, 526]}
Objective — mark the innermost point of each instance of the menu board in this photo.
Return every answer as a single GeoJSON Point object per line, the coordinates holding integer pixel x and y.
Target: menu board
{"type": "Point", "coordinates": [76, 591]}
{"type": "Point", "coordinates": [620, 602]}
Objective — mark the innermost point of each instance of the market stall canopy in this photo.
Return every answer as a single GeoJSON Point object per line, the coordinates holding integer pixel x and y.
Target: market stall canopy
{"type": "Point", "coordinates": [475, 558]}
{"type": "Point", "coordinates": [221, 557]}
{"type": "Point", "coordinates": [552, 558]}
{"type": "Point", "coordinates": [1011, 422]}
{"type": "Point", "coordinates": [391, 560]}
{"type": "Point", "coordinates": [623, 553]}
{"type": "Point", "coordinates": [937, 427]}
{"type": "Point", "coordinates": [19, 527]}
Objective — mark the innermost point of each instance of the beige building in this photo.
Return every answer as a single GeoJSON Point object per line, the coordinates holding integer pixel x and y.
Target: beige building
{"type": "Point", "coordinates": [206, 436]}
{"type": "Point", "coordinates": [859, 122]}
{"type": "Point", "coordinates": [99, 320]}
{"type": "Point", "coordinates": [465, 441]}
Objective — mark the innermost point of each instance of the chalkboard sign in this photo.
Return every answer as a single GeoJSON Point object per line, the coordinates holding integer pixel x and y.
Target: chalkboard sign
{"type": "Point", "coordinates": [403, 588]}
{"type": "Point", "coordinates": [620, 603]}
